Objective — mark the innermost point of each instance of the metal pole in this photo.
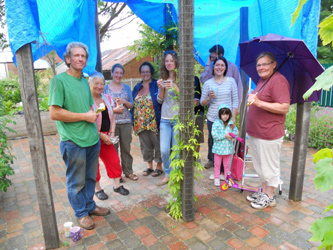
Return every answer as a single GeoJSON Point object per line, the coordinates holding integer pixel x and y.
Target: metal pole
{"type": "Point", "coordinates": [300, 151]}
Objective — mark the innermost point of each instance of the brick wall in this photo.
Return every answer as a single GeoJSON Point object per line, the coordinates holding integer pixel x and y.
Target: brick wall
{"type": "Point", "coordinates": [132, 67]}
{"type": "Point", "coordinates": [12, 68]}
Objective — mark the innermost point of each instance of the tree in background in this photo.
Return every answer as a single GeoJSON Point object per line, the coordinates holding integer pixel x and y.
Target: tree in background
{"type": "Point", "coordinates": [116, 17]}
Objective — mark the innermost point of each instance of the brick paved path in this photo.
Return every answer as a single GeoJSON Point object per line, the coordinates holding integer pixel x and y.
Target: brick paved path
{"type": "Point", "coordinates": [223, 220]}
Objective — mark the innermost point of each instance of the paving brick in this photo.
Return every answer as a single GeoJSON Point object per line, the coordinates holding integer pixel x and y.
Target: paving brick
{"type": "Point", "coordinates": [118, 225]}
{"type": "Point", "coordinates": [259, 231]}
{"type": "Point", "coordinates": [142, 231]}
{"type": "Point", "coordinates": [217, 244]}
{"type": "Point", "coordinates": [149, 240]}
{"type": "Point", "coordinates": [115, 244]}
{"type": "Point", "coordinates": [243, 234]}
{"type": "Point", "coordinates": [236, 243]}
{"type": "Point", "coordinates": [101, 231]}
{"type": "Point", "coordinates": [195, 244]}
{"type": "Point", "coordinates": [273, 240]}
{"type": "Point", "coordinates": [93, 239]}
{"type": "Point", "coordinates": [224, 235]}
{"type": "Point", "coordinates": [254, 241]}
{"type": "Point", "coordinates": [297, 214]}
{"type": "Point", "coordinates": [178, 246]}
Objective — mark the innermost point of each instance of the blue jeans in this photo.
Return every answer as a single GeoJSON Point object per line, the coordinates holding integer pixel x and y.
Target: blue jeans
{"type": "Point", "coordinates": [167, 136]}
{"type": "Point", "coordinates": [80, 175]}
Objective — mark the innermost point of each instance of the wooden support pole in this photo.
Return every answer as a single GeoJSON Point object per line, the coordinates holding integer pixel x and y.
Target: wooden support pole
{"type": "Point", "coordinates": [37, 146]}
{"type": "Point", "coordinates": [98, 67]}
{"type": "Point", "coordinates": [300, 151]}
{"type": "Point", "coordinates": [186, 97]}
{"type": "Point", "coordinates": [244, 36]}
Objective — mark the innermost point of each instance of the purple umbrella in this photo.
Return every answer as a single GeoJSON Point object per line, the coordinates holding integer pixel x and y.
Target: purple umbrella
{"type": "Point", "coordinates": [294, 60]}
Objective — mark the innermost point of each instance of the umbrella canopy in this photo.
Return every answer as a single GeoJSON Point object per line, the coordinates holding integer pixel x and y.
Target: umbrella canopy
{"type": "Point", "coordinates": [294, 61]}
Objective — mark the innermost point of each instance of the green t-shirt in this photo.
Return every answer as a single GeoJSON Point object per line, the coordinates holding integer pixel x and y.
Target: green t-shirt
{"type": "Point", "coordinates": [73, 94]}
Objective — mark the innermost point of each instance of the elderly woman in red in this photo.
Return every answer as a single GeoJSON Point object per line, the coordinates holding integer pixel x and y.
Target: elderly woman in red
{"type": "Point", "coordinates": [106, 128]}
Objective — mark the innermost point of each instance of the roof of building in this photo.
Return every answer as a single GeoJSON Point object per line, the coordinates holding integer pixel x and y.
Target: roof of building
{"type": "Point", "coordinates": [121, 55]}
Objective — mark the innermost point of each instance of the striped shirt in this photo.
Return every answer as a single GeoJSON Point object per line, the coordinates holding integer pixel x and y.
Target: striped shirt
{"type": "Point", "coordinates": [226, 93]}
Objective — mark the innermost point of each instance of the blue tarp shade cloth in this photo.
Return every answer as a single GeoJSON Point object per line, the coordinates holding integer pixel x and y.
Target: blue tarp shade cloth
{"type": "Point", "coordinates": [51, 25]}
{"type": "Point", "coordinates": [215, 21]}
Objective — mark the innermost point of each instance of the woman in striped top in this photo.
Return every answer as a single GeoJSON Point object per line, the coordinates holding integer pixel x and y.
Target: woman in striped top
{"type": "Point", "coordinates": [217, 90]}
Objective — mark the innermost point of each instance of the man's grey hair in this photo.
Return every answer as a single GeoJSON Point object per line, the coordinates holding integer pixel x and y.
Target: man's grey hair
{"type": "Point", "coordinates": [95, 75]}
{"type": "Point", "coordinates": [72, 45]}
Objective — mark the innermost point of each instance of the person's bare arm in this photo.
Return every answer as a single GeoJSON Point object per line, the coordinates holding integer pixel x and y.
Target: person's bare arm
{"type": "Point", "coordinates": [59, 114]}
{"type": "Point", "coordinates": [273, 107]}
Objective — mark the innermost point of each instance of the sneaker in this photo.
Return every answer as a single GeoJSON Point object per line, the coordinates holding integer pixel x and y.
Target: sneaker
{"type": "Point", "coordinates": [255, 196]}
{"type": "Point", "coordinates": [263, 202]}
{"type": "Point", "coordinates": [208, 165]}
{"type": "Point", "coordinates": [121, 190]}
{"type": "Point", "coordinates": [217, 182]}
{"type": "Point", "coordinates": [212, 177]}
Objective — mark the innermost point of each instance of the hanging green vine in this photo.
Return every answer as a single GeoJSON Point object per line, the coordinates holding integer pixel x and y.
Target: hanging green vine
{"type": "Point", "coordinates": [177, 162]}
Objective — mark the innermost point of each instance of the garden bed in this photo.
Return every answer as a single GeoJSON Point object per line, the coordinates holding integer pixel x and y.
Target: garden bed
{"type": "Point", "coordinates": [48, 125]}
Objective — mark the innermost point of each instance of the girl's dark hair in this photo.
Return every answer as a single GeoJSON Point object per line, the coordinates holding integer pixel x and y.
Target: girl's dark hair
{"type": "Point", "coordinates": [225, 62]}
{"type": "Point", "coordinates": [163, 71]}
{"type": "Point", "coordinates": [225, 111]}
{"type": "Point", "coordinates": [151, 68]}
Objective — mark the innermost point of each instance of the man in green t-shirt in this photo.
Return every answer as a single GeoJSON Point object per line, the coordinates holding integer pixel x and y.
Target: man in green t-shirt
{"type": "Point", "coordinates": [70, 103]}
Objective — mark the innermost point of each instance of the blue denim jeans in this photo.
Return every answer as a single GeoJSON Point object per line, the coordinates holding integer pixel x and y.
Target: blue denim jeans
{"type": "Point", "coordinates": [167, 137]}
{"type": "Point", "coordinates": [80, 175]}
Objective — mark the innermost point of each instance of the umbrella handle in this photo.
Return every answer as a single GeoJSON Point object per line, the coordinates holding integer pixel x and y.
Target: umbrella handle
{"type": "Point", "coordinates": [250, 103]}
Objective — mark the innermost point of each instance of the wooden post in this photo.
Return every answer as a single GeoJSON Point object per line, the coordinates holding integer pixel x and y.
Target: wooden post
{"type": "Point", "coordinates": [300, 150]}
{"type": "Point", "coordinates": [37, 146]}
{"type": "Point", "coordinates": [99, 67]}
{"type": "Point", "coordinates": [244, 36]}
{"type": "Point", "coordinates": [186, 97]}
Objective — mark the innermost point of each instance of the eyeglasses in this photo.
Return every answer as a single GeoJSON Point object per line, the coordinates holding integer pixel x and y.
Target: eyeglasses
{"type": "Point", "coordinates": [263, 64]}
{"type": "Point", "coordinates": [172, 52]}
{"type": "Point", "coordinates": [145, 72]}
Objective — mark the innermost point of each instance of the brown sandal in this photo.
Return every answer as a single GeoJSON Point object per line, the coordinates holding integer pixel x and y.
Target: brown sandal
{"type": "Point", "coordinates": [133, 177]}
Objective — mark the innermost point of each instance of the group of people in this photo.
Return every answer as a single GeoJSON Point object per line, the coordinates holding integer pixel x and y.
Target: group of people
{"type": "Point", "coordinates": [150, 109]}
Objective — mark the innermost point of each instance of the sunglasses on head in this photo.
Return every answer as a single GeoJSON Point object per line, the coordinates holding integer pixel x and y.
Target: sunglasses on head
{"type": "Point", "coordinates": [172, 52]}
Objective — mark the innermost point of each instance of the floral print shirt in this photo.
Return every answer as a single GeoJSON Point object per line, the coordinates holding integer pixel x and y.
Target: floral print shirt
{"type": "Point", "coordinates": [144, 114]}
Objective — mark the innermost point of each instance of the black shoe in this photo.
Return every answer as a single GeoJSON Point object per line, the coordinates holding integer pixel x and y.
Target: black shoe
{"type": "Point", "coordinates": [121, 190]}
{"type": "Point", "coordinates": [101, 195]}
{"type": "Point", "coordinates": [121, 180]}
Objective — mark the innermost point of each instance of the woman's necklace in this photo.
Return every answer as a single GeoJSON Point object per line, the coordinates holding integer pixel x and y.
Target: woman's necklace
{"type": "Point", "coordinates": [220, 81]}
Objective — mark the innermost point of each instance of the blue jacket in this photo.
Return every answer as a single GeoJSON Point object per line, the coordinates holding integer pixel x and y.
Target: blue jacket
{"type": "Point", "coordinates": [153, 88]}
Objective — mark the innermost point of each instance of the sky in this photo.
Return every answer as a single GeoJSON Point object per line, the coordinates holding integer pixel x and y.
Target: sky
{"type": "Point", "coordinates": [124, 36]}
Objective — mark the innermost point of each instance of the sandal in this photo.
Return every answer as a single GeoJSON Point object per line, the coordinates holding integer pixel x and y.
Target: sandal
{"type": "Point", "coordinates": [147, 172]}
{"type": "Point", "coordinates": [133, 177]}
{"type": "Point", "coordinates": [157, 172]}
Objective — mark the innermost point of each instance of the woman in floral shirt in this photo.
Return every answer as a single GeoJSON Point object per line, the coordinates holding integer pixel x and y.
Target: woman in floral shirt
{"type": "Point", "coordinates": [146, 118]}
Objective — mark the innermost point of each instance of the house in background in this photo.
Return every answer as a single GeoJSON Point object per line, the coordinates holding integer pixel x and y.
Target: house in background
{"type": "Point", "coordinates": [7, 65]}
{"type": "Point", "coordinates": [126, 58]}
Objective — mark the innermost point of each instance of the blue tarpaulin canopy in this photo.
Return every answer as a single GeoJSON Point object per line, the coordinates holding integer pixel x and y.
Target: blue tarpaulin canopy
{"type": "Point", "coordinates": [52, 24]}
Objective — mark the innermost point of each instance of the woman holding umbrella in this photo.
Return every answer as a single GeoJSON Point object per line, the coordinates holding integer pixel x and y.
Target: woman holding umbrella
{"type": "Point", "coordinates": [265, 126]}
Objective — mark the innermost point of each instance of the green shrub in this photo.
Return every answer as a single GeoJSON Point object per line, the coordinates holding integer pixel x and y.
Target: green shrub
{"type": "Point", "coordinates": [320, 131]}
{"type": "Point", "coordinates": [6, 158]}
